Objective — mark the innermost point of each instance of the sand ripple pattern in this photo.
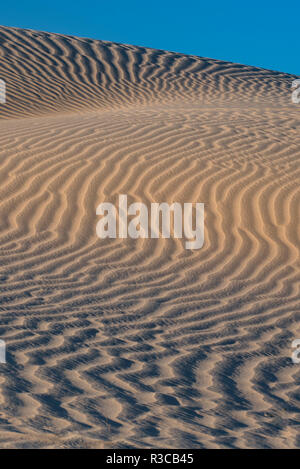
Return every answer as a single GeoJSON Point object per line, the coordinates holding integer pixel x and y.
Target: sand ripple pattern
{"type": "Point", "coordinates": [124, 343]}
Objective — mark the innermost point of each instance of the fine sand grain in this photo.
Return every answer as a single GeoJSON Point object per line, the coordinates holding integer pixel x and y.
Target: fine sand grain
{"type": "Point", "coordinates": [142, 343]}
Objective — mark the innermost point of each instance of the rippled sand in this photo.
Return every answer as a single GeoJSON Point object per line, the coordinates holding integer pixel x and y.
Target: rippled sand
{"type": "Point", "coordinates": [142, 343]}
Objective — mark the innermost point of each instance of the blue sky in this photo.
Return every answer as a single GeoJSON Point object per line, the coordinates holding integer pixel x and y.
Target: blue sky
{"type": "Point", "coordinates": [261, 33]}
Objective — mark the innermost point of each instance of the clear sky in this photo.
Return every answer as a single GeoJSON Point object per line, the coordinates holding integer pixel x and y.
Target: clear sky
{"type": "Point", "coordinates": [261, 33]}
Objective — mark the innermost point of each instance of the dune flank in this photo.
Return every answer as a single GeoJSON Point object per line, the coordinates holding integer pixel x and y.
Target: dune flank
{"type": "Point", "coordinates": [116, 343]}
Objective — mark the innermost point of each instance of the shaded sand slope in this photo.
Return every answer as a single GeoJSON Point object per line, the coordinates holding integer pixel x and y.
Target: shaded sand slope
{"type": "Point", "coordinates": [117, 343]}
{"type": "Point", "coordinates": [49, 73]}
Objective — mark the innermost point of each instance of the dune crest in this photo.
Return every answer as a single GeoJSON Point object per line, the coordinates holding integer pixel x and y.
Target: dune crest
{"type": "Point", "coordinates": [142, 343]}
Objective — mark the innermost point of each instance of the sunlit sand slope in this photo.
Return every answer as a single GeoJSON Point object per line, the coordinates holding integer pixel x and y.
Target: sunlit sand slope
{"type": "Point", "coordinates": [142, 343]}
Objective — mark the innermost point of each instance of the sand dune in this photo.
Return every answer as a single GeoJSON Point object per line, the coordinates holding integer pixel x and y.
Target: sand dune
{"type": "Point", "coordinates": [142, 343]}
